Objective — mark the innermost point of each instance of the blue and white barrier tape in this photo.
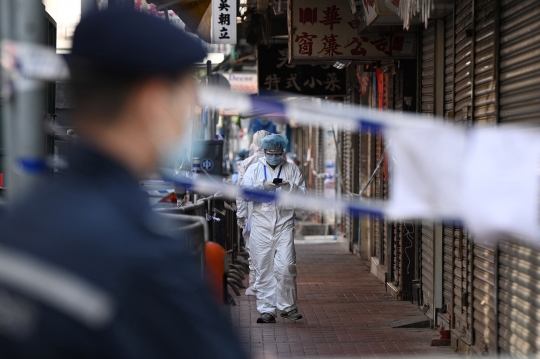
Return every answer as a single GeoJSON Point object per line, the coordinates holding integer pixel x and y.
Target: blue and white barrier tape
{"type": "Point", "coordinates": [160, 193]}
{"type": "Point", "coordinates": [355, 207]}
{"type": "Point", "coordinates": [36, 62]}
{"type": "Point", "coordinates": [309, 111]}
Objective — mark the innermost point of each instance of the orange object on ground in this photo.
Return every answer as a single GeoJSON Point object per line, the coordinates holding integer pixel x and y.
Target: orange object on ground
{"type": "Point", "coordinates": [215, 270]}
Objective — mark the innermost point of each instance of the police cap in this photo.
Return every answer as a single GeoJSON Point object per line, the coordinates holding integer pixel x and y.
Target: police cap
{"type": "Point", "coordinates": [125, 42]}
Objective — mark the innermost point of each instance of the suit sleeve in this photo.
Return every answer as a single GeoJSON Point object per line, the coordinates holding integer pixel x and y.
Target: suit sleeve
{"type": "Point", "coordinates": [250, 181]}
{"type": "Point", "coordinates": [298, 185]}
{"type": "Point", "coordinates": [241, 205]}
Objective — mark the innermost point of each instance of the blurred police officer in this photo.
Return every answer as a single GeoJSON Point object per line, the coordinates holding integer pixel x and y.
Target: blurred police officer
{"type": "Point", "coordinates": [84, 272]}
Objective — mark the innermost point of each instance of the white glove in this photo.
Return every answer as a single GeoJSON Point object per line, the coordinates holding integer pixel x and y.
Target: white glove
{"type": "Point", "coordinates": [269, 185]}
{"type": "Point", "coordinates": [286, 186]}
{"type": "Point", "coordinates": [241, 222]}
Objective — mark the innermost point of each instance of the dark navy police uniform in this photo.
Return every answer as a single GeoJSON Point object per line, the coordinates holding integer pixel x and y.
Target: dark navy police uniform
{"type": "Point", "coordinates": [84, 270]}
{"type": "Point", "coordinates": [95, 225]}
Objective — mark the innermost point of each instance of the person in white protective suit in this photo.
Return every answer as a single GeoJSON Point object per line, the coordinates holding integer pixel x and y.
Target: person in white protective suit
{"type": "Point", "coordinates": [272, 232]}
{"type": "Point", "coordinates": [244, 209]}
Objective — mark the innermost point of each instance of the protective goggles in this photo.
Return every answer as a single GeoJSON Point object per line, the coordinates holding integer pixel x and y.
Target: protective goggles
{"type": "Point", "coordinates": [274, 152]}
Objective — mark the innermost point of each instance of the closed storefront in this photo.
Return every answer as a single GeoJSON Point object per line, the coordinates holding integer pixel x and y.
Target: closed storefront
{"type": "Point", "coordinates": [462, 308]}
{"type": "Point", "coordinates": [428, 109]}
{"type": "Point", "coordinates": [490, 293]}
{"type": "Point", "coordinates": [448, 228]}
{"type": "Point", "coordinates": [484, 103]}
{"type": "Point", "coordinates": [519, 52]}
{"type": "Point", "coordinates": [346, 151]}
{"type": "Point", "coordinates": [428, 70]}
{"type": "Point", "coordinates": [377, 222]}
{"type": "Point", "coordinates": [519, 300]}
{"type": "Point", "coordinates": [519, 84]}
{"type": "Point", "coordinates": [462, 59]}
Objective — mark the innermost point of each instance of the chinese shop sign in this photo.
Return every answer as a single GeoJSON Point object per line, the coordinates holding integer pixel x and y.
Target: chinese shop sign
{"type": "Point", "coordinates": [276, 74]}
{"type": "Point", "coordinates": [324, 30]}
{"type": "Point", "coordinates": [224, 21]}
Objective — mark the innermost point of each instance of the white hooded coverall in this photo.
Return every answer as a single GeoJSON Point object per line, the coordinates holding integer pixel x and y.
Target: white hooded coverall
{"type": "Point", "coordinates": [272, 239]}
{"type": "Point", "coordinates": [244, 209]}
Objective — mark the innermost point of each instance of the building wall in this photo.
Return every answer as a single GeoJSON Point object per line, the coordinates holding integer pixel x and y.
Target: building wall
{"type": "Point", "coordinates": [488, 60]}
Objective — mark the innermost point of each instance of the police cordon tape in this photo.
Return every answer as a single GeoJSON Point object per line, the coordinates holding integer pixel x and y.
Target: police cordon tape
{"type": "Point", "coordinates": [25, 61]}
{"type": "Point", "coordinates": [206, 186]}
{"type": "Point", "coordinates": [313, 111]}
{"type": "Point", "coordinates": [25, 64]}
{"type": "Point", "coordinates": [442, 172]}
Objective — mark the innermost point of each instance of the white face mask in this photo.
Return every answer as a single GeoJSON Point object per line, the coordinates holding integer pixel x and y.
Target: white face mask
{"type": "Point", "coordinates": [174, 150]}
{"type": "Point", "coordinates": [172, 133]}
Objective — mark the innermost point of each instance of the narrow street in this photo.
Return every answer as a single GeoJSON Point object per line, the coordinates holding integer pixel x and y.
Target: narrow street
{"type": "Point", "coordinates": [346, 313]}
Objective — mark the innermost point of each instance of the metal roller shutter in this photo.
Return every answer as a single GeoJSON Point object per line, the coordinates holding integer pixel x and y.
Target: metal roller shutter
{"type": "Point", "coordinates": [428, 108]}
{"type": "Point", "coordinates": [448, 228]}
{"type": "Point", "coordinates": [519, 300]}
{"type": "Point", "coordinates": [484, 301]}
{"type": "Point", "coordinates": [377, 225]}
{"type": "Point", "coordinates": [388, 96]}
{"type": "Point", "coordinates": [519, 85]}
{"type": "Point", "coordinates": [428, 266]}
{"type": "Point", "coordinates": [448, 242]}
{"type": "Point", "coordinates": [462, 308]}
{"type": "Point", "coordinates": [347, 178]}
{"type": "Point", "coordinates": [449, 63]}
{"type": "Point", "coordinates": [398, 107]}
{"type": "Point", "coordinates": [519, 66]}
{"type": "Point", "coordinates": [398, 90]}
{"type": "Point", "coordinates": [484, 49]}
{"type": "Point", "coordinates": [428, 69]}
{"type": "Point", "coordinates": [484, 102]}
{"type": "Point", "coordinates": [319, 160]}
{"type": "Point", "coordinates": [385, 233]}
{"type": "Point", "coordinates": [462, 79]}
{"type": "Point", "coordinates": [396, 266]}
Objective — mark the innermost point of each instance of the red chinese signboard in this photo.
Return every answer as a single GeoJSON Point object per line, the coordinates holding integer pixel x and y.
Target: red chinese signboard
{"type": "Point", "coordinates": [323, 30]}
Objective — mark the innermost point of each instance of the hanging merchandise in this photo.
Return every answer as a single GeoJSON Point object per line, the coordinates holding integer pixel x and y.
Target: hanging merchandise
{"type": "Point", "coordinates": [363, 80]}
{"type": "Point", "coordinates": [380, 89]}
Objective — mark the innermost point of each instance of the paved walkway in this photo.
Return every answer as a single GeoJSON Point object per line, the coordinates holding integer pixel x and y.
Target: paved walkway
{"type": "Point", "coordinates": [346, 313]}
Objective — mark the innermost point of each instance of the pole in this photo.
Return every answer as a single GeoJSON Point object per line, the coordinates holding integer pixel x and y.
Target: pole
{"type": "Point", "coordinates": [26, 110]}
{"type": "Point", "coordinates": [210, 129]}
{"type": "Point", "coordinates": [5, 106]}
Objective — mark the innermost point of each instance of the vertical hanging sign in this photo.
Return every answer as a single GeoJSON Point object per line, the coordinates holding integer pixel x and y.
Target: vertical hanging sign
{"type": "Point", "coordinates": [223, 21]}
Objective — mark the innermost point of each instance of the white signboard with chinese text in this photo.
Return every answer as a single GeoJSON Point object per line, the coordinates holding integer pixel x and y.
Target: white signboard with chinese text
{"type": "Point", "coordinates": [324, 30]}
{"type": "Point", "coordinates": [223, 21]}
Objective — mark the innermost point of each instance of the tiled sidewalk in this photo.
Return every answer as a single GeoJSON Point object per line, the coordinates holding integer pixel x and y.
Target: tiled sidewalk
{"type": "Point", "coordinates": [346, 313]}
